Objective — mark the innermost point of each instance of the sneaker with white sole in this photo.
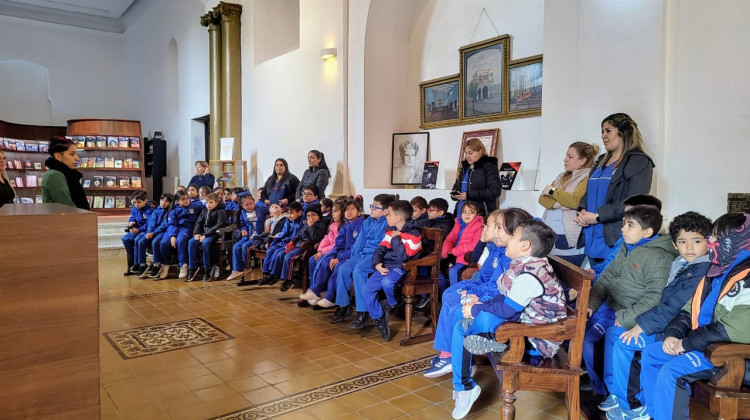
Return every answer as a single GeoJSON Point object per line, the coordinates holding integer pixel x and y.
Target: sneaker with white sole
{"type": "Point", "coordinates": [476, 344]}
{"type": "Point", "coordinates": [183, 272]}
{"type": "Point", "coordinates": [325, 303]}
{"type": "Point", "coordinates": [439, 366]}
{"type": "Point", "coordinates": [620, 413]}
{"type": "Point", "coordinates": [234, 275]}
{"type": "Point", "coordinates": [163, 272]}
{"type": "Point", "coordinates": [609, 403]}
{"type": "Point", "coordinates": [464, 401]}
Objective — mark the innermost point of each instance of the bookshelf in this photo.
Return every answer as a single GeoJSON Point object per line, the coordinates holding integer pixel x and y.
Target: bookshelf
{"type": "Point", "coordinates": [25, 164]}
{"type": "Point", "coordinates": [111, 161]}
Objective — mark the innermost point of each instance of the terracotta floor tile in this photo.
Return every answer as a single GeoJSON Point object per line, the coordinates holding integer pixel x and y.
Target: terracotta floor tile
{"type": "Point", "coordinates": [192, 372]}
{"type": "Point", "coordinates": [331, 409]}
{"type": "Point", "coordinates": [247, 384]}
{"type": "Point", "coordinates": [277, 376]}
{"type": "Point", "coordinates": [215, 392]}
{"type": "Point", "coordinates": [203, 382]}
{"type": "Point", "coordinates": [381, 411]}
{"type": "Point", "coordinates": [261, 395]}
{"type": "Point", "coordinates": [168, 390]}
{"type": "Point", "coordinates": [410, 403]}
{"type": "Point", "coordinates": [298, 415]}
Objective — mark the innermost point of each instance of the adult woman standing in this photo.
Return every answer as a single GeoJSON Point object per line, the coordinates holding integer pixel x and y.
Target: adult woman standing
{"type": "Point", "coordinates": [561, 199]}
{"type": "Point", "coordinates": [317, 174]}
{"type": "Point", "coordinates": [62, 182]}
{"type": "Point", "coordinates": [202, 176]}
{"type": "Point", "coordinates": [623, 171]}
{"type": "Point", "coordinates": [478, 179]}
{"type": "Point", "coordinates": [280, 187]}
{"type": "Point", "coordinates": [7, 193]}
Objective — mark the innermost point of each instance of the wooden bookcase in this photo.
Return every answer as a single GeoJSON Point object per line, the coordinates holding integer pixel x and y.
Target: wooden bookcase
{"type": "Point", "coordinates": [97, 136]}
{"type": "Point", "coordinates": [29, 135]}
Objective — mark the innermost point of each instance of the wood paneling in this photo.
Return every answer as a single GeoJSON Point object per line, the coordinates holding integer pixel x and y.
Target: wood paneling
{"type": "Point", "coordinates": [29, 132]}
{"type": "Point", "coordinates": [49, 312]}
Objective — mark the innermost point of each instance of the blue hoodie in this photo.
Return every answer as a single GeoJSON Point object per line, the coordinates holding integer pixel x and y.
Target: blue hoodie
{"type": "Point", "coordinates": [346, 238]}
{"type": "Point", "coordinates": [370, 235]}
{"type": "Point", "coordinates": [157, 222]}
{"type": "Point", "coordinates": [140, 216]}
{"type": "Point", "coordinates": [184, 218]}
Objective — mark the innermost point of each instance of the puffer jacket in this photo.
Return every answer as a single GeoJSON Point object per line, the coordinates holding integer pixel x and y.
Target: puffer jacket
{"type": "Point", "coordinates": [469, 238]}
{"type": "Point", "coordinates": [484, 183]}
{"type": "Point", "coordinates": [314, 176]}
{"type": "Point", "coordinates": [393, 250]}
{"type": "Point", "coordinates": [209, 221]}
{"type": "Point", "coordinates": [634, 281]}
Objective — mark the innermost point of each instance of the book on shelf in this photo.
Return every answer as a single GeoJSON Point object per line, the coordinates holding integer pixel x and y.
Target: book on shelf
{"type": "Point", "coordinates": [9, 164]}
{"type": "Point", "coordinates": [110, 182]}
{"type": "Point", "coordinates": [6, 144]}
{"type": "Point", "coordinates": [32, 147]}
{"type": "Point", "coordinates": [127, 163]}
{"type": "Point", "coordinates": [19, 182]}
{"type": "Point", "coordinates": [92, 162]}
{"type": "Point", "coordinates": [83, 163]}
{"type": "Point", "coordinates": [97, 181]}
{"type": "Point", "coordinates": [118, 163]}
{"type": "Point", "coordinates": [86, 183]}
{"type": "Point", "coordinates": [2, 144]}
{"type": "Point", "coordinates": [111, 141]}
{"type": "Point", "coordinates": [80, 142]}
{"type": "Point", "coordinates": [124, 182]}
{"type": "Point", "coordinates": [90, 141]}
{"type": "Point", "coordinates": [31, 181]}
{"type": "Point", "coordinates": [98, 202]}
{"type": "Point", "coordinates": [20, 146]}
{"type": "Point", "coordinates": [99, 162]}
{"type": "Point", "coordinates": [124, 141]}
{"type": "Point", "coordinates": [136, 164]}
{"type": "Point", "coordinates": [38, 166]}
{"type": "Point", "coordinates": [28, 164]}
{"type": "Point", "coordinates": [109, 162]}
{"type": "Point", "coordinates": [43, 146]}
{"type": "Point", "coordinates": [135, 142]}
{"type": "Point", "coordinates": [508, 173]}
{"type": "Point", "coordinates": [120, 202]}
{"type": "Point", "coordinates": [38, 199]}
{"type": "Point", "coordinates": [109, 202]}
{"type": "Point", "coordinates": [135, 181]}
{"type": "Point", "coordinates": [27, 200]}
{"type": "Point", "coordinates": [90, 199]}
{"type": "Point", "coordinates": [19, 164]}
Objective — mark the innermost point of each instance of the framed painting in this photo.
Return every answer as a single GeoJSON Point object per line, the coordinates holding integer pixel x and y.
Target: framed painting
{"type": "Point", "coordinates": [483, 80]}
{"type": "Point", "coordinates": [489, 139]}
{"type": "Point", "coordinates": [409, 154]}
{"type": "Point", "coordinates": [439, 102]}
{"type": "Point", "coordinates": [525, 87]}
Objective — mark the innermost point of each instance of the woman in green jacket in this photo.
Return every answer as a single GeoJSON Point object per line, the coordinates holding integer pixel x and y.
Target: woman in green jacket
{"type": "Point", "coordinates": [62, 182]}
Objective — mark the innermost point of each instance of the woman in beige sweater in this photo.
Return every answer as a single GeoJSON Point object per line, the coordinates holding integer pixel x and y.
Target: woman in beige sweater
{"type": "Point", "coordinates": [561, 199]}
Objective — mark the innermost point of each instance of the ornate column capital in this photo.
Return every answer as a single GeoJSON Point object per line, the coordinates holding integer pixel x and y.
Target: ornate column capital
{"type": "Point", "coordinates": [228, 10]}
{"type": "Point", "coordinates": [212, 18]}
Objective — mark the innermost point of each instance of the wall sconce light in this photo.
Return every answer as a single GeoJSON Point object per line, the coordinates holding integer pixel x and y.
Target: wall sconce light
{"type": "Point", "coordinates": [327, 53]}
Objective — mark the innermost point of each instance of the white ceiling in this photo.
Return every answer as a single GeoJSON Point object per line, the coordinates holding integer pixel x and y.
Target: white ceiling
{"type": "Point", "coordinates": [105, 8]}
{"type": "Point", "coordinates": [103, 15]}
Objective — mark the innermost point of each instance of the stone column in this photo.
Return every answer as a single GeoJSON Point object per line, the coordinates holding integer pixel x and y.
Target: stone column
{"type": "Point", "coordinates": [213, 22]}
{"type": "Point", "coordinates": [231, 81]}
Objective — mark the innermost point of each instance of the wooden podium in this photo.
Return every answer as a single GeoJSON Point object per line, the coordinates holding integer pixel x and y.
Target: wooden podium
{"type": "Point", "coordinates": [49, 312]}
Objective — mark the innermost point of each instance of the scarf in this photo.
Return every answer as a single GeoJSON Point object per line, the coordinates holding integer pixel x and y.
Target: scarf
{"type": "Point", "coordinates": [73, 178]}
{"type": "Point", "coordinates": [724, 251]}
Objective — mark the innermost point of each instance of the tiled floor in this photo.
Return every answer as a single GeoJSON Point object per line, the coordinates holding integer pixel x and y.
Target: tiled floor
{"type": "Point", "coordinates": [283, 361]}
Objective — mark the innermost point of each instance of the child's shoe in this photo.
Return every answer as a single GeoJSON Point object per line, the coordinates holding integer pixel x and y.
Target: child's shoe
{"type": "Point", "coordinates": [341, 313]}
{"type": "Point", "coordinates": [477, 344]}
{"type": "Point", "coordinates": [609, 403]}
{"type": "Point", "coordinates": [140, 269]}
{"type": "Point", "coordinates": [215, 272]}
{"type": "Point", "coordinates": [183, 272]}
{"type": "Point", "coordinates": [286, 285]}
{"type": "Point", "coordinates": [422, 302]}
{"type": "Point", "coordinates": [359, 321]}
{"type": "Point", "coordinates": [207, 275]}
{"type": "Point", "coordinates": [131, 271]}
{"type": "Point", "coordinates": [464, 401]}
{"type": "Point", "coordinates": [235, 274]}
{"type": "Point", "coordinates": [192, 274]}
{"type": "Point", "coordinates": [309, 294]}
{"type": "Point", "coordinates": [147, 271]}
{"type": "Point", "coordinates": [325, 303]}
{"type": "Point", "coordinates": [439, 367]}
{"type": "Point", "coordinates": [383, 327]}
{"type": "Point", "coordinates": [163, 272]}
{"type": "Point", "coordinates": [620, 413]}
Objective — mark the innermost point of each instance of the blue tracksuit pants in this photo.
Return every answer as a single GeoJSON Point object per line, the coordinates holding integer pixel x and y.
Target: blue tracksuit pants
{"type": "Point", "coordinates": [139, 250]}
{"type": "Point", "coordinates": [451, 304]}
{"type": "Point", "coordinates": [320, 274]}
{"type": "Point", "coordinates": [165, 249]}
{"type": "Point", "coordinates": [270, 261]}
{"type": "Point", "coordinates": [596, 328]}
{"type": "Point", "coordinates": [353, 274]}
{"type": "Point", "coordinates": [183, 236]}
{"type": "Point", "coordinates": [453, 273]}
{"type": "Point", "coordinates": [386, 283]}
{"type": "Point", "coordinates": [156, 247]}
{"type": "Point", "coordinates": [288, 262]}
{"type": "Point", "coordinates": [239, 253]}
{"type": "Point", "coordinates": [194, 245]}
{"type": "Point", "coordinates": [129, 241]}
{"type": "Point", "coordinates": [461, 359]}
{"type": "Point", "coordinates": [666, 380]}
{"type": "Point", "coordinates": [622, 366]}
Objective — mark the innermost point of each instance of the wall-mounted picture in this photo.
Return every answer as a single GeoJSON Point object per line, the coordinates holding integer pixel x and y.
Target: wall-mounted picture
{"type": "Point", "coordinates": [489, 139]}
{"type": "Point", "coordinates": [409, 155]}
{"type": "Point", "coordinates": [482, 79]}
{"type": "Point", "coordinates": [525, 86]}
{"type": "Point", "coordinates": [438, 100]}
{"type": "Point", "coordinates": [430, 174]}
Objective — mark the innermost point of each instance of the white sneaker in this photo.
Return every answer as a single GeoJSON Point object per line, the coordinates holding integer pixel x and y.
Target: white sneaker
{"type": "Point", "coordinates": [309, 294]}
{"type": "Point", "coordinates": [183, 272]}
{"type": "Point", "coordinates": [163, 272]}
{"type": "Point", "coordinates": [313, 301]}
{"type": "Point", "coordinates": [464, 401]}
{"type": "Point", "coordinates": [234, 275]}
{"type": "Point", "coordinates": [325, 303]}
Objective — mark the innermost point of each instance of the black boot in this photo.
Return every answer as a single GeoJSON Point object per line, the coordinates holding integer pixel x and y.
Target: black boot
{"type": "Point", "coordinates": [384, 327]}
{"type": "Point", "coordinates": [359, 321]}
{"type": "Point", "coordinates": [131, 271]}
{"type": "Point", "coordinates": [341, 313]}
{"type": "Point", "coordinates": [286, 285]}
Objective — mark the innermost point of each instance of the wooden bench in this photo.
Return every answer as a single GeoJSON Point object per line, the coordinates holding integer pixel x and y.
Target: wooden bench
{"type": "Point", "coordinates": [516, 371]}
{"type": "Point", "coordinates": [723, 394]}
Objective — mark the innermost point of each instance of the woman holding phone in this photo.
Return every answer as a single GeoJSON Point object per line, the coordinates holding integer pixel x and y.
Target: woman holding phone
{"type": "Point", "coordinates": [478, 178]}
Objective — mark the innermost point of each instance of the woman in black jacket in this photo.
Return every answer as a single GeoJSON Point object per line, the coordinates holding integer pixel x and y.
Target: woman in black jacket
{"type": "Point", "coordinates": [281, 186]}
{"type": "Point", "coordinates": [7, 192]}
{"type": "Point", "coordinates": [478, 179]}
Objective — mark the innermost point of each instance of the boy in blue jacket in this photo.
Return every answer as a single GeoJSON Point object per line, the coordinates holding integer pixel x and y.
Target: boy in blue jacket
{"type": "Point", "coordinates": [212, 218]}
{"type": "Point", "coordinates": [313, 230]}
{"type": "Point", "coordinates": [357, 269]}
{"type": "Point", "coordinates": [139, 213]}
{"type": "Point", "coordinates": [277, 247]}
{"type": "Point", "coordinates": [157, 225]}
{"type": "Point", "coordinates": [402, 241]}
{"type": "Point", "coordinates": [623, 347]}
{"type": "Point", "coordinates": [181, 224]}
{"type": "Point", "coordinates": [252, 218]}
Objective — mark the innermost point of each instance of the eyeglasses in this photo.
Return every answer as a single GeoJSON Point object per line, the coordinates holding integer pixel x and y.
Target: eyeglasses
{"type": "Point", "coordinates": [307, 193]}
{"type": "Point", "coordinates": [432, 210]}
{"type": "Point", "coordinates": [374, 207]}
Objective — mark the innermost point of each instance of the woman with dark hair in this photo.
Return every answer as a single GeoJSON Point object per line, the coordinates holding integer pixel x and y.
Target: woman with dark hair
{"type": "Point", "coordinates": [280, 186]}
{"type": "Point", "coordinates": [62, 182]}
{"type": "Point", "coordinates": [317, 174]}
{"type": "Point", "coordinates": [478, 178]}
{"type": "Point", "coordinates": [7, 192]}
{"type": "Point", "coordinates": [623, 171]}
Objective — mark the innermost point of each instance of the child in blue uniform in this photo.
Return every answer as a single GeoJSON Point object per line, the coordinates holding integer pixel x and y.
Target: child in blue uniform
{"type": "Point", "coordinates": [276, 249]}
{"type": "Point", "coordinates": [157, 225]}
{"type": "Point", "coordinates": [139, 213]}
{"type": "Point", "coordinates": [312, 231]}
{"type": "Point", "coordinates": [181, 223]}
{"type": "Point", "coordinates": [419, 211]}
{"type": "Point", "coordinates": [309, 196]}
{"type": "Point", "coordinates": [211, 219]}
{"type": "Point", "coordinates": [252, 219]}
{"type": "Point", "coordinates": [402, 241]}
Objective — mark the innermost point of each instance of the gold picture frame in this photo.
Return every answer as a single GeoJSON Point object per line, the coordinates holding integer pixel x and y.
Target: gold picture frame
{"type": "Point", "coordinates": [525, 87]}
{"type": "Point", "coordinates": [439, 102]}
{"type": "Point", "coordinates": [483, 80]}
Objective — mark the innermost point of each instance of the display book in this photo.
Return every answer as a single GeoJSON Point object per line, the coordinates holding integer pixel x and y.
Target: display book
{"type": "Point", "coordinates": [111, 156]}
{"type": "Point", "coordinates": [24, 165]}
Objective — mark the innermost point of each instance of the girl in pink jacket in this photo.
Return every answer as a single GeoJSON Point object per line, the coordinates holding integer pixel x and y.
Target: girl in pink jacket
{"type": "Point", "coordinates": [463, 238]}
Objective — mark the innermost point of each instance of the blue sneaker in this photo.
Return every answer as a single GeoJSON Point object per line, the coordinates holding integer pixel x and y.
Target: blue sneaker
{"type": "Point", "coordinates": [609, 403]}
{"type": "Point", "coordinates": [440, 366]}
{"type": "Point", "coordinates": [619, 413]}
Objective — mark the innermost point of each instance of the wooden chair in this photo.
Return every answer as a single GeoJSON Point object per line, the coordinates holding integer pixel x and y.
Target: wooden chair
{"type": "Point", "coordinates": [225, 240]}
{"type": "Point", "coordinates": [416, 284]}
{"type": "Point", "coordinates": [559, 374]}
{"type": "Point", "coordinates": [723, 394]}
